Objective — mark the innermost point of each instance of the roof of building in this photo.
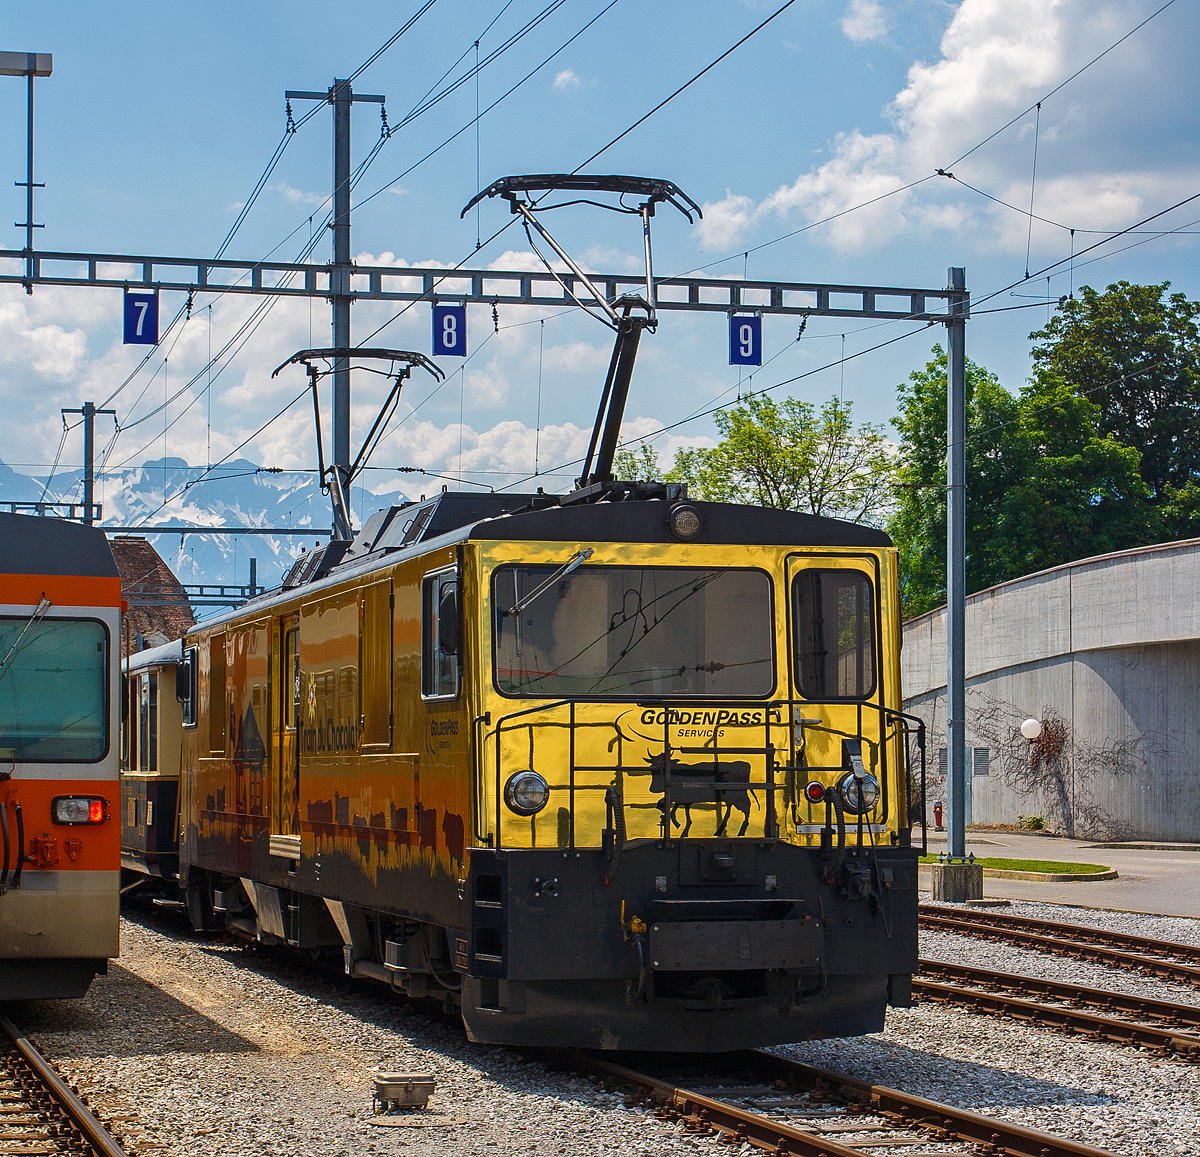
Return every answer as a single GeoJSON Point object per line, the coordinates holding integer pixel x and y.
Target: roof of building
{"type": "Point", "coordinates": [141, 566]}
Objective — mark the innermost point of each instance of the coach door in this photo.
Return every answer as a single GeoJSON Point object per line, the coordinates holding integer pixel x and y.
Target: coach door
{"type": "Point", "coordinates": [285, 801]}
{"type": "Point", "coordinates": [835, 676]}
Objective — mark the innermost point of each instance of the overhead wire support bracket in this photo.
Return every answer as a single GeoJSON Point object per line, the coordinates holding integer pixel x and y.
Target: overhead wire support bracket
{"type": "Point", "coordinates": [473, 286]}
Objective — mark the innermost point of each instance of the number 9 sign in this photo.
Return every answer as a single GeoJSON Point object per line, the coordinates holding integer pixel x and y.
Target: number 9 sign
{"type": "Point", "coordinates": [450, 330]}
{"type": "Point", "coordinates": [745, 340]}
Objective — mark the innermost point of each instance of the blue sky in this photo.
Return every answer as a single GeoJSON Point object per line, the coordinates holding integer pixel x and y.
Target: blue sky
{"type": "Point", "coordinates": [158, 121]}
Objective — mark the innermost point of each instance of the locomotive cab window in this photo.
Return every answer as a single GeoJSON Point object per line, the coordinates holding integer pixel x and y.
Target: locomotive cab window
{"type": "Point", "coordinates": [834, 619]}
{"type": "Point", "coordinates": [625, 631]}
{"type": "Point", "coordinates": [54, 689]}
{"type": "Point", "coordinates": [439, 636]}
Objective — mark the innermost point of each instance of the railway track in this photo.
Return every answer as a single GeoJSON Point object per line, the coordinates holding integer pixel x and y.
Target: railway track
{"type": "Point", "coordinates": [789, 1109]}
{"type": "Point", "coordinates": [39, 1113]}
{"type": "Point", "coordinates": [1161, 1026]}
{"type": "Point", "coordinates": [1164, 959]}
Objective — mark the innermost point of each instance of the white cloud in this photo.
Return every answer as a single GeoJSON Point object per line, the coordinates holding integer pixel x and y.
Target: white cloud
{"type": "Point", "coordinates": [864, 20]}
{"type": "Point", "coordinates": [298, 196]}
{"type": "Point", "coordinates": [724, 222]}
{"type": "Point", "coordinates": [997, 57]}
{"type": "Point", "coordinates": [566, 81]}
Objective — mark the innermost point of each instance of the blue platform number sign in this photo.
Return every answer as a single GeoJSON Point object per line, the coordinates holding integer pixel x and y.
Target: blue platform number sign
{"type": "Point", "coordinates": [450, 330]}
{"type": "Point", "coordinates": [745, 340]}
{"type": "Point", "coordinates": [141, 318]}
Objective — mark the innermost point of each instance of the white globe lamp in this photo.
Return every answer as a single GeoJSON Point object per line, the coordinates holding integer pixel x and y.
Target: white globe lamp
{"type": "Point", "coordinates": [1031, 729]}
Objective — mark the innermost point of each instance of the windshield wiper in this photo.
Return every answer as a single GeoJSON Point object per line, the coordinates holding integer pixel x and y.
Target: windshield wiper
{"type": "Point", "coordinates": [37, 616]}
{"type": "Point", "coordinates": [577, 559]}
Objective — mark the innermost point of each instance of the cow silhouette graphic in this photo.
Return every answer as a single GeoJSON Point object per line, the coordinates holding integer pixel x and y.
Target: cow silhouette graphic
{"type": "Point", "coordinates": [695, 783]}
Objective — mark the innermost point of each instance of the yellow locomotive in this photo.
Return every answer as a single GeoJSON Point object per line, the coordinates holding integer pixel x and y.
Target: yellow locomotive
{"type": "Point", "coordinates": [614, 769]}
{"type": "Point", "coordinates": [622, 774]}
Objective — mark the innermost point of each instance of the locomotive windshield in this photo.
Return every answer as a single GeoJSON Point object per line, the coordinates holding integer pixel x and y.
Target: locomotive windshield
{"type": "Point", "coordinates": [53, 683]}
{"type": "Point", "coordinates": [634, 631]}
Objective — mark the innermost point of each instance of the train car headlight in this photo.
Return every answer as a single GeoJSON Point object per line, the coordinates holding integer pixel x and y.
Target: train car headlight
{"type": "Point", "coordinates": [526, 793]}
{"type": "Point", "coordinates": [685, 522]}
{"type": "Point", "coordinates": [858, 796]}
{"type": "Point", "coordinates": [79, 809]}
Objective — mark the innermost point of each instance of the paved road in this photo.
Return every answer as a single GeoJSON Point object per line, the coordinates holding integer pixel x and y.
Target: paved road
{"type": "Point", "coordinates": [1163, 880]}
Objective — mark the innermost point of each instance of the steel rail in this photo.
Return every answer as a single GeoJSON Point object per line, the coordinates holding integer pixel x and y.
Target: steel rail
{"type": "Point", "coordinates": [1123, 940]}
{"type": "Point", "coordinates": [98, 1137]}
{"type": "Point", "coordinates": [940, 1123]}
{"type": "Point", "coordinates": [1060, 946]}
{"type": "Point", "coordinates": [1180, 1016]}
{"type": "Point", "coordinates": [1081, 1022]}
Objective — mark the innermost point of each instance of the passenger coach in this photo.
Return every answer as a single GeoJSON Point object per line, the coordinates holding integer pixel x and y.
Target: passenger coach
{"type": "Point", "coordinates": [620, 773]}
{"type": "Point", "coordinates": [60, 619]}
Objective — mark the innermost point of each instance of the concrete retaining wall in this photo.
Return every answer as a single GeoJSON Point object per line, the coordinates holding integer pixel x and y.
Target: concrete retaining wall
{"type": "Point", "coordinates": [1111, 645]}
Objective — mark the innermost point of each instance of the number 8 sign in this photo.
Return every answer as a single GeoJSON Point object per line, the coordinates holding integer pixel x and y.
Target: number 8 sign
{"type": "Point", "coordinates": [450, 330]}
{"type": "Point", "coordinates": [745, 340]}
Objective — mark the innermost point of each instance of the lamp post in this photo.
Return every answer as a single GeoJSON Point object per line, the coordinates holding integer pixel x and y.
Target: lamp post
{"type": "Point", "coordinates": [28, 64]}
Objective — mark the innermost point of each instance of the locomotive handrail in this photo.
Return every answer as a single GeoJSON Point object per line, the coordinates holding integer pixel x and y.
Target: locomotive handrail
{"type": "Point", "coordinates": [773, 716]}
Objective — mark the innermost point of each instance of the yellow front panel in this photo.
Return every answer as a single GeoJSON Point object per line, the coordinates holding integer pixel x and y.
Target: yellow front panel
{"type": "Point", "coordinates": [738, 763]}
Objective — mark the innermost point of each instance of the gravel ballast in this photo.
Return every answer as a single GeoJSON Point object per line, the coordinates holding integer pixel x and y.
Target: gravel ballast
{"type": "Point", "coordinates": [201, 1047]}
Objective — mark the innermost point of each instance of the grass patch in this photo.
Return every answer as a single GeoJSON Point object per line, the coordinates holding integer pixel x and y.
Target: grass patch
{"type": "Point", "coordinates": [1056, 866]}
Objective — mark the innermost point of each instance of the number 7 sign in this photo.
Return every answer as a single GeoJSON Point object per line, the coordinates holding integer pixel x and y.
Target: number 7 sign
{"type": "Point", "coordinates": [141, 318]}
{"type": "Point", "coordinates": [745, 340]}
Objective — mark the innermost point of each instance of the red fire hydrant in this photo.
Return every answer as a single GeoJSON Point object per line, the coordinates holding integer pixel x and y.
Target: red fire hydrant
{"type": "Point", "coordinates": [937, 815]}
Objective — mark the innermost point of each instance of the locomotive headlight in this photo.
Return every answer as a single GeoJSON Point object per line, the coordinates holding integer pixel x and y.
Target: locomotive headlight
{"type": "Point", "coordinates": [685, 522]}
{"type": "Point", "coordinates": [526, 793]}
{"type": "Point", "coordinates": [79, 809]}
{"type": "Point", "coordinates": [858, 796]}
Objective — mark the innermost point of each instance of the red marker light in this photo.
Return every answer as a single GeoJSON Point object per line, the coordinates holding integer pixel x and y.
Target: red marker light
{"type": "Point", "coordinates": [814, 792]}
{"type": "Point", "coordinates": [95, 811]}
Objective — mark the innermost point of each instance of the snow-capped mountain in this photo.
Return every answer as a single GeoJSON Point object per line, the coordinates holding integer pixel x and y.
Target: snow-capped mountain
{"type": "Point", "coordinates": [236, 494]}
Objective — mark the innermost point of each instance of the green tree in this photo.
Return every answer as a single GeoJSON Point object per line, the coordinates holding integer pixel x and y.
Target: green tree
{"type": "Point", "coordinates": [637, 463]}
{"type": "Point", "coordinates": [1044, 485]}
{"type": "Point", "coordinates": [791, 456]}
{"type": "Point", "coordinates": [1134, 351]}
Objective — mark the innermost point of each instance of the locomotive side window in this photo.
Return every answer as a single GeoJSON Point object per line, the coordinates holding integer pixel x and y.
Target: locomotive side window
{"type": "Point", "coordinates": [216, 695]}
{"type": "Point", "coordinates": [629, 631]}
{"type": "Point", "coordinates": [835, 634]}
{"type": "Point", "coordinates": [439, 666]}
{"type": "Point", "coordinates": [54, 689]}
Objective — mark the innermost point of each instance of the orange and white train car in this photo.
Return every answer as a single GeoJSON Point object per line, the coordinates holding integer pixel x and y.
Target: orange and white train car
{"type": "Point", "coordinates": [60, 860]}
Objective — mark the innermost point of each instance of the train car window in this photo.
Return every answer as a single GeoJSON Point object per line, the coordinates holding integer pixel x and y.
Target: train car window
{"type": "Point", "coordinates": [834, 612]}
{"type": "Point", "coordinates": [629, 631]}
{"type": "Point", "coordinates": [54, 689]}
{"type": "Point", "coordinates": [291, 678]}
{"type": "Point", "coordinates": [126, 728]}
{"type": "Point", "coordinates": [375, 662]}
{"type": "Point", "coordinates": [185, 686]}
{"type": "Point", "coordinates": [439, 670]}
{"type": "Point", "coordinates": [216, 695]}
{"type": "Point", "coordinates": [148, 722]}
